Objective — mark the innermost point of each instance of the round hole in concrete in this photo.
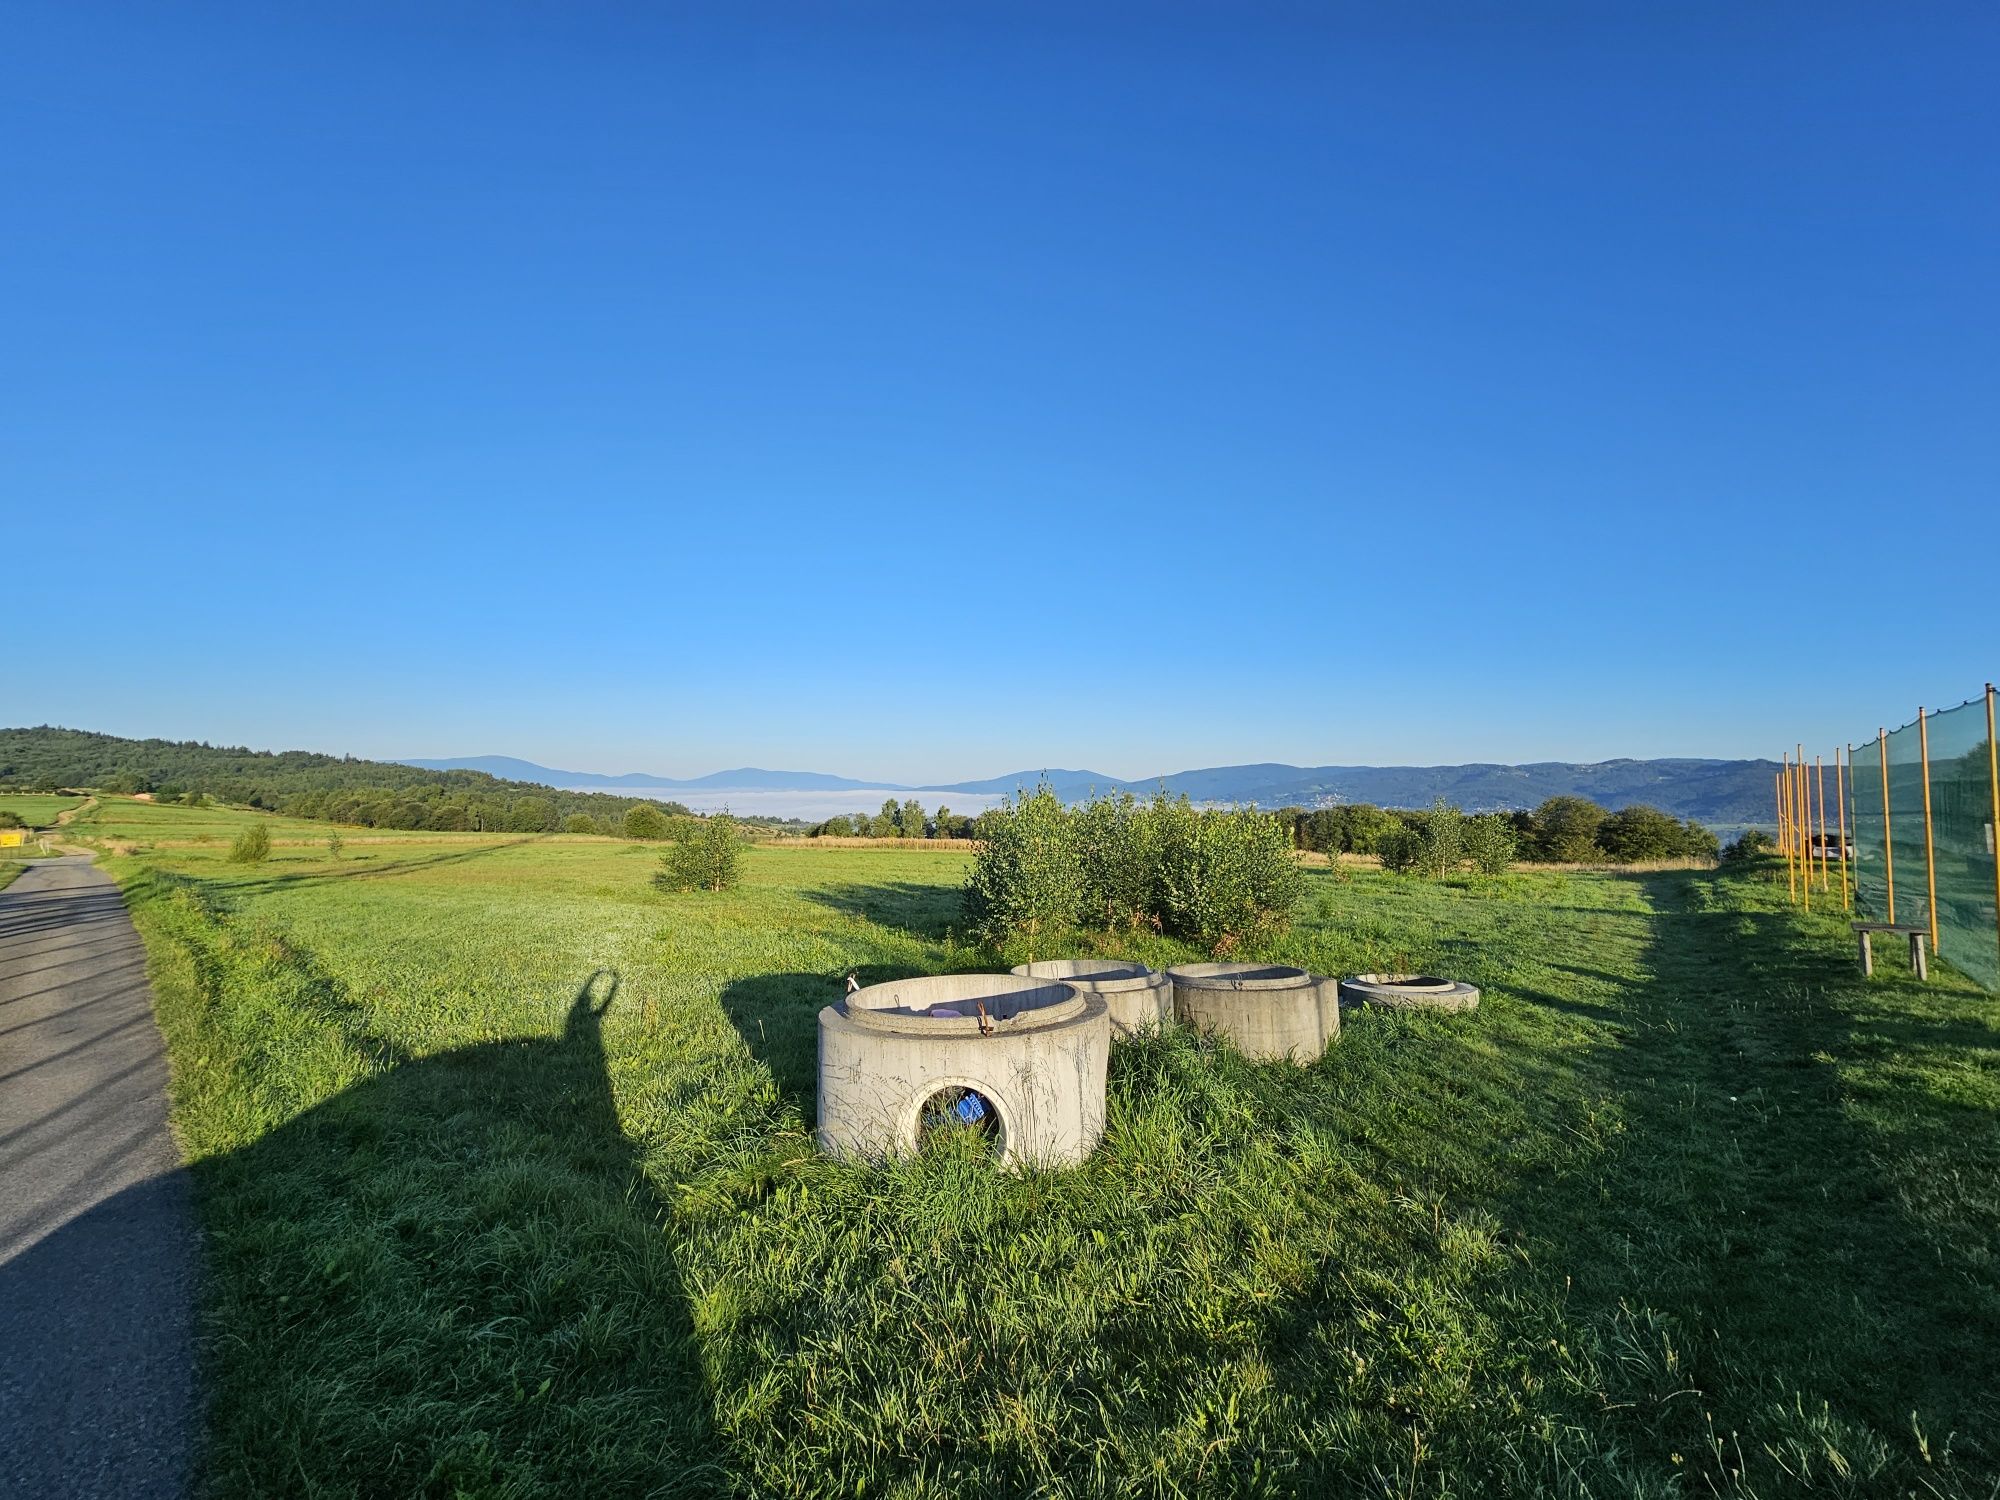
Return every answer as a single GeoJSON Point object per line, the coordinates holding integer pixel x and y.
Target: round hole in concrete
{"type": "Point", "coordinates": [954, 1113]}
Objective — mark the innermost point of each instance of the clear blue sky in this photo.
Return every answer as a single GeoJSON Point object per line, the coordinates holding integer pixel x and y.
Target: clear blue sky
{"type": "Point", "coordinates": [942, 391]}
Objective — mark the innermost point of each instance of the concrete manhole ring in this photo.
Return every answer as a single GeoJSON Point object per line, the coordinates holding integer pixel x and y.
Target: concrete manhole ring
{"type": "Point", "coordinates": [1020, 1059]}
{"type": "Point", "coordinates": [1409, 992]}
{"type": "Point", "coordinates": [1270, 1013]}
{"type": "Point", "coordinates": [1139, 999]}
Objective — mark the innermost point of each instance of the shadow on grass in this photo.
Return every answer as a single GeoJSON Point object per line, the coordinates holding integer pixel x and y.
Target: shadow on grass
{"type": "Point", "coordinates": [453, 1278]}
{"type": "Point", "coordinates": [927, 912]}
{"type": "Point", "coordinates": [777, 1015]}
{"type": "Point", "coordinates": [1765, 1222]}
{"type": "Point", "coordinates": [303, 880]}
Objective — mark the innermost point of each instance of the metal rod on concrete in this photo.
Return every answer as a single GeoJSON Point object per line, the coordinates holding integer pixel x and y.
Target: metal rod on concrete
{"type": "Point", "coordinates": [1840, 796]}
{"type": "Point", "coordinates": [1888, 828]}
{"type": "Point", "coordinates": [1993, 785]}
{"type": "Point", "coordinates": [1930, 849]}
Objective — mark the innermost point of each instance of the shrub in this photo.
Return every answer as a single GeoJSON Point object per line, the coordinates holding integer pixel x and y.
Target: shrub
{"type": "Point", "coordinates": [835, 828]}
{"type": "Point", "coordinates": [579, 823]}
{"type": "Point", "coordinates": [252, 846]}
{"type": "Point", "coordinates": [333, 844]}
{"type": "Point", "coordinates": [1118, 850]}
{"type": "Point", "coordinates": [1028, 879]}
{"type": "Point", "coordinates": [1226, 877]}
{"type": "Point", "coordinates": [646, 822]}
{"type": "Point", "coordinates": [1566, 830]}
{"type": "Point", "coordinates": [1401, 849]}
{"type": "Point", "coordinates": [704, 856]}
{"type": "Point", "coordinates": [1640, 832]}
{"type": "Point", "coordinates": [1747, 845]}
{"type": "Point", "coordinates": [10, 819]}
{"type": "Point", "coordinates": [1441, 837]}
{"type": "Point", "coordinates": [1489, 843]}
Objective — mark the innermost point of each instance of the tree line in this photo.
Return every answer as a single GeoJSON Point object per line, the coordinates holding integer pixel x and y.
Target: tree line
{"type": "Point", "coordinates": [1563, 830]}
{"type": "Point", "coordinates": [333, 788]}
{"type": "Point", "coordinates": [899, 820]}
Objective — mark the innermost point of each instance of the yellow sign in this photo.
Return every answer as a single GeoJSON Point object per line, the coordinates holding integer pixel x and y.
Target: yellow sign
{"type": "Point", "coordinates": [9, 837]}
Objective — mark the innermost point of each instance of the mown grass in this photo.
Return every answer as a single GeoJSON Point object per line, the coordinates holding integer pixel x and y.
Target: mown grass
{"type": "Point", "coordinates": [35, 809]}
{"type": "Point", "coordinates": [506, 1168]}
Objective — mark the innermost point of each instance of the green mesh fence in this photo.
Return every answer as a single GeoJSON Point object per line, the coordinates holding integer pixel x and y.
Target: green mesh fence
{"type": "Point", "coordinates": [1962, 836]}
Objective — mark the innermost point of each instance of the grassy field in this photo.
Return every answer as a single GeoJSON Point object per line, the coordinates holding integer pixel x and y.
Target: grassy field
{"type": "Point", "coordinates": [506, 1167]}
{"type": "Point", "coordinates": [36, 810]}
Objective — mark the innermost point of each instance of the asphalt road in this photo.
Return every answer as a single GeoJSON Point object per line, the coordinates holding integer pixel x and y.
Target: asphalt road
{"type": "Point", "coordinates": [99, 1259]}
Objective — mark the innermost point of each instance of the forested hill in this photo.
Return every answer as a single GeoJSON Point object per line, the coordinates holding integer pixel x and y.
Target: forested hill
{"type": "Point", "coordinates": [373, 793]}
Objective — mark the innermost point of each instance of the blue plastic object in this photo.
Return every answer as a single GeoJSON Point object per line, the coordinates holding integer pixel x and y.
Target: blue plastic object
{"type": "Point", "coordinates": [970, 1110]}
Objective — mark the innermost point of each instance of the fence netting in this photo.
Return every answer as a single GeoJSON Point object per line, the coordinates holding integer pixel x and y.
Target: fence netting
{"type": "Point", "coordinates": [1962, 835]}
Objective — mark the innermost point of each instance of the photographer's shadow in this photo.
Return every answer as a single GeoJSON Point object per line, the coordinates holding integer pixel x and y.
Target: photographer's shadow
{"type": "Point", "coordinates": [456, 1277]}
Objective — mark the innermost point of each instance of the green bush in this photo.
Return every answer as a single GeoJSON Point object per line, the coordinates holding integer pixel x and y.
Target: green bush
{"type": "Point", "coordinates": [1118, 847]}
{"type": "Point", "coordinates": [1441, 835]}
{"type": "Point", "coordinates": [704, 856]}
{"type": "Point", "coordinates": [579, 823]}
{"type": "Point", "coordinates": [252, 846]}
{"type": "Point", "coordinates": [1401, 848]}
{"type": "Point", "coordinates": [10, 819]}
{"type": "Point", "coordinates": [1227, 877]}
{"type": "Point", "coordinates": [1218, 878]}
{"type": "Point", "coordinates": [646, 822]}
{"type": "Point", "coordinates": [1027, 882]}
{"type": "Point", "coordinates": [1489, 843]}
{"type": "Point", "coordinates": [333, 844]}
{"type": "Point", "coordinates": [1748, 845]}
{"type": "Point", "coordinates": [1566, 830]}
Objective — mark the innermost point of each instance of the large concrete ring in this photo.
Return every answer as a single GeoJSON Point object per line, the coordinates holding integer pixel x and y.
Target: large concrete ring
{"type": "Point", "coordinates": [1271, 1013]}
{"type": "Point", "coordinates": [1139, 999]}
{"type": "Point", "coordinates": [1409, 992]}
{"type": "Point", "coordinates": [886, 1051]}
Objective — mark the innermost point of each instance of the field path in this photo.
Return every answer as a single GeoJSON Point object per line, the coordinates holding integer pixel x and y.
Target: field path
{"type": "Point", "coordinates": [98, 1250]}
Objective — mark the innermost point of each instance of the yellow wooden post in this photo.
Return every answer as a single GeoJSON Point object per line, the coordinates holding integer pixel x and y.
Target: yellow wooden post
{"type": "Point", "coordinates": [1819, 793]}
{"type": "Point", "coordinates": [1785, 825]}
{"type": "Point", "coordinates": [1805, 844]}
{"type": "Point", "coordinates": [1888, 828]}
{"type": "Point", "coordinates": [1993, 784]}
{"type": "Point", "coordinates": [1840, 796]}
{"type": "Point", "coordinates": [1930, 851]}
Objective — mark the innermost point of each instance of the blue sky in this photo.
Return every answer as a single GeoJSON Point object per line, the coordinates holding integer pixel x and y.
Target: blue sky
{"type": "Point", "coordinates": [935, 392]}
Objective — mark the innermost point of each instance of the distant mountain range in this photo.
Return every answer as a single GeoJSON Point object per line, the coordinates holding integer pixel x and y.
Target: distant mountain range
{"type": "Point", "coordinates": [1720, 792]}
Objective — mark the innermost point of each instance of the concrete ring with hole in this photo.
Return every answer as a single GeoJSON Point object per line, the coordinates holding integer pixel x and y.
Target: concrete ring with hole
{"type": "Point", "coordinates": [1036, 1059]}
{"type": "Point", "coordinates": [1269, 1012]}
{"type": "Point", "coordinates": [1139, 999]}
{"type": "Point", "coordinates": [1409, 992]}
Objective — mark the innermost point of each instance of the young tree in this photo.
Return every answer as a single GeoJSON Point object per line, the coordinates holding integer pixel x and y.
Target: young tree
{"type": "Point", "coordinates": [1027, 882]}
{"type": "Point", "coordinates": [252, 845]}
{"type": "Point", "coordinates": [943, 821]}
{"type": "Point", "coordinates": [704, 855]}
{"type": "Point", "coordinates": [1489, 843]}
{"type": "Point", "coordinates": [883, 824]}
{"type": "Point", "coordinates": [333, 843]}
{"type": "Point", "coordinates": [910, 820]}
{"type": "Point", "coordinates": [1443, 836]}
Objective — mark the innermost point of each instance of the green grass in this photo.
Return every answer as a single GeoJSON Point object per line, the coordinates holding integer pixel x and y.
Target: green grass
{"type": "Point", "coordinates": [36, 810]}
{"type": "Point", "coordinates": [1683, 1209]}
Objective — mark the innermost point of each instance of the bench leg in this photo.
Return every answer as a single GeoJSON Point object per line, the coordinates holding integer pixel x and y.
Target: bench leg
{"type": "Point", "coordinates": [1867, 956]}
{"type": "Point", "coordinates": [1918, 958]}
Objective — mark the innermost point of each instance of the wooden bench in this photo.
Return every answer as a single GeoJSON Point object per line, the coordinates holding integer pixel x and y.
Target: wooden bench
{"type": "Point", "coordinates": [1918, 936]}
